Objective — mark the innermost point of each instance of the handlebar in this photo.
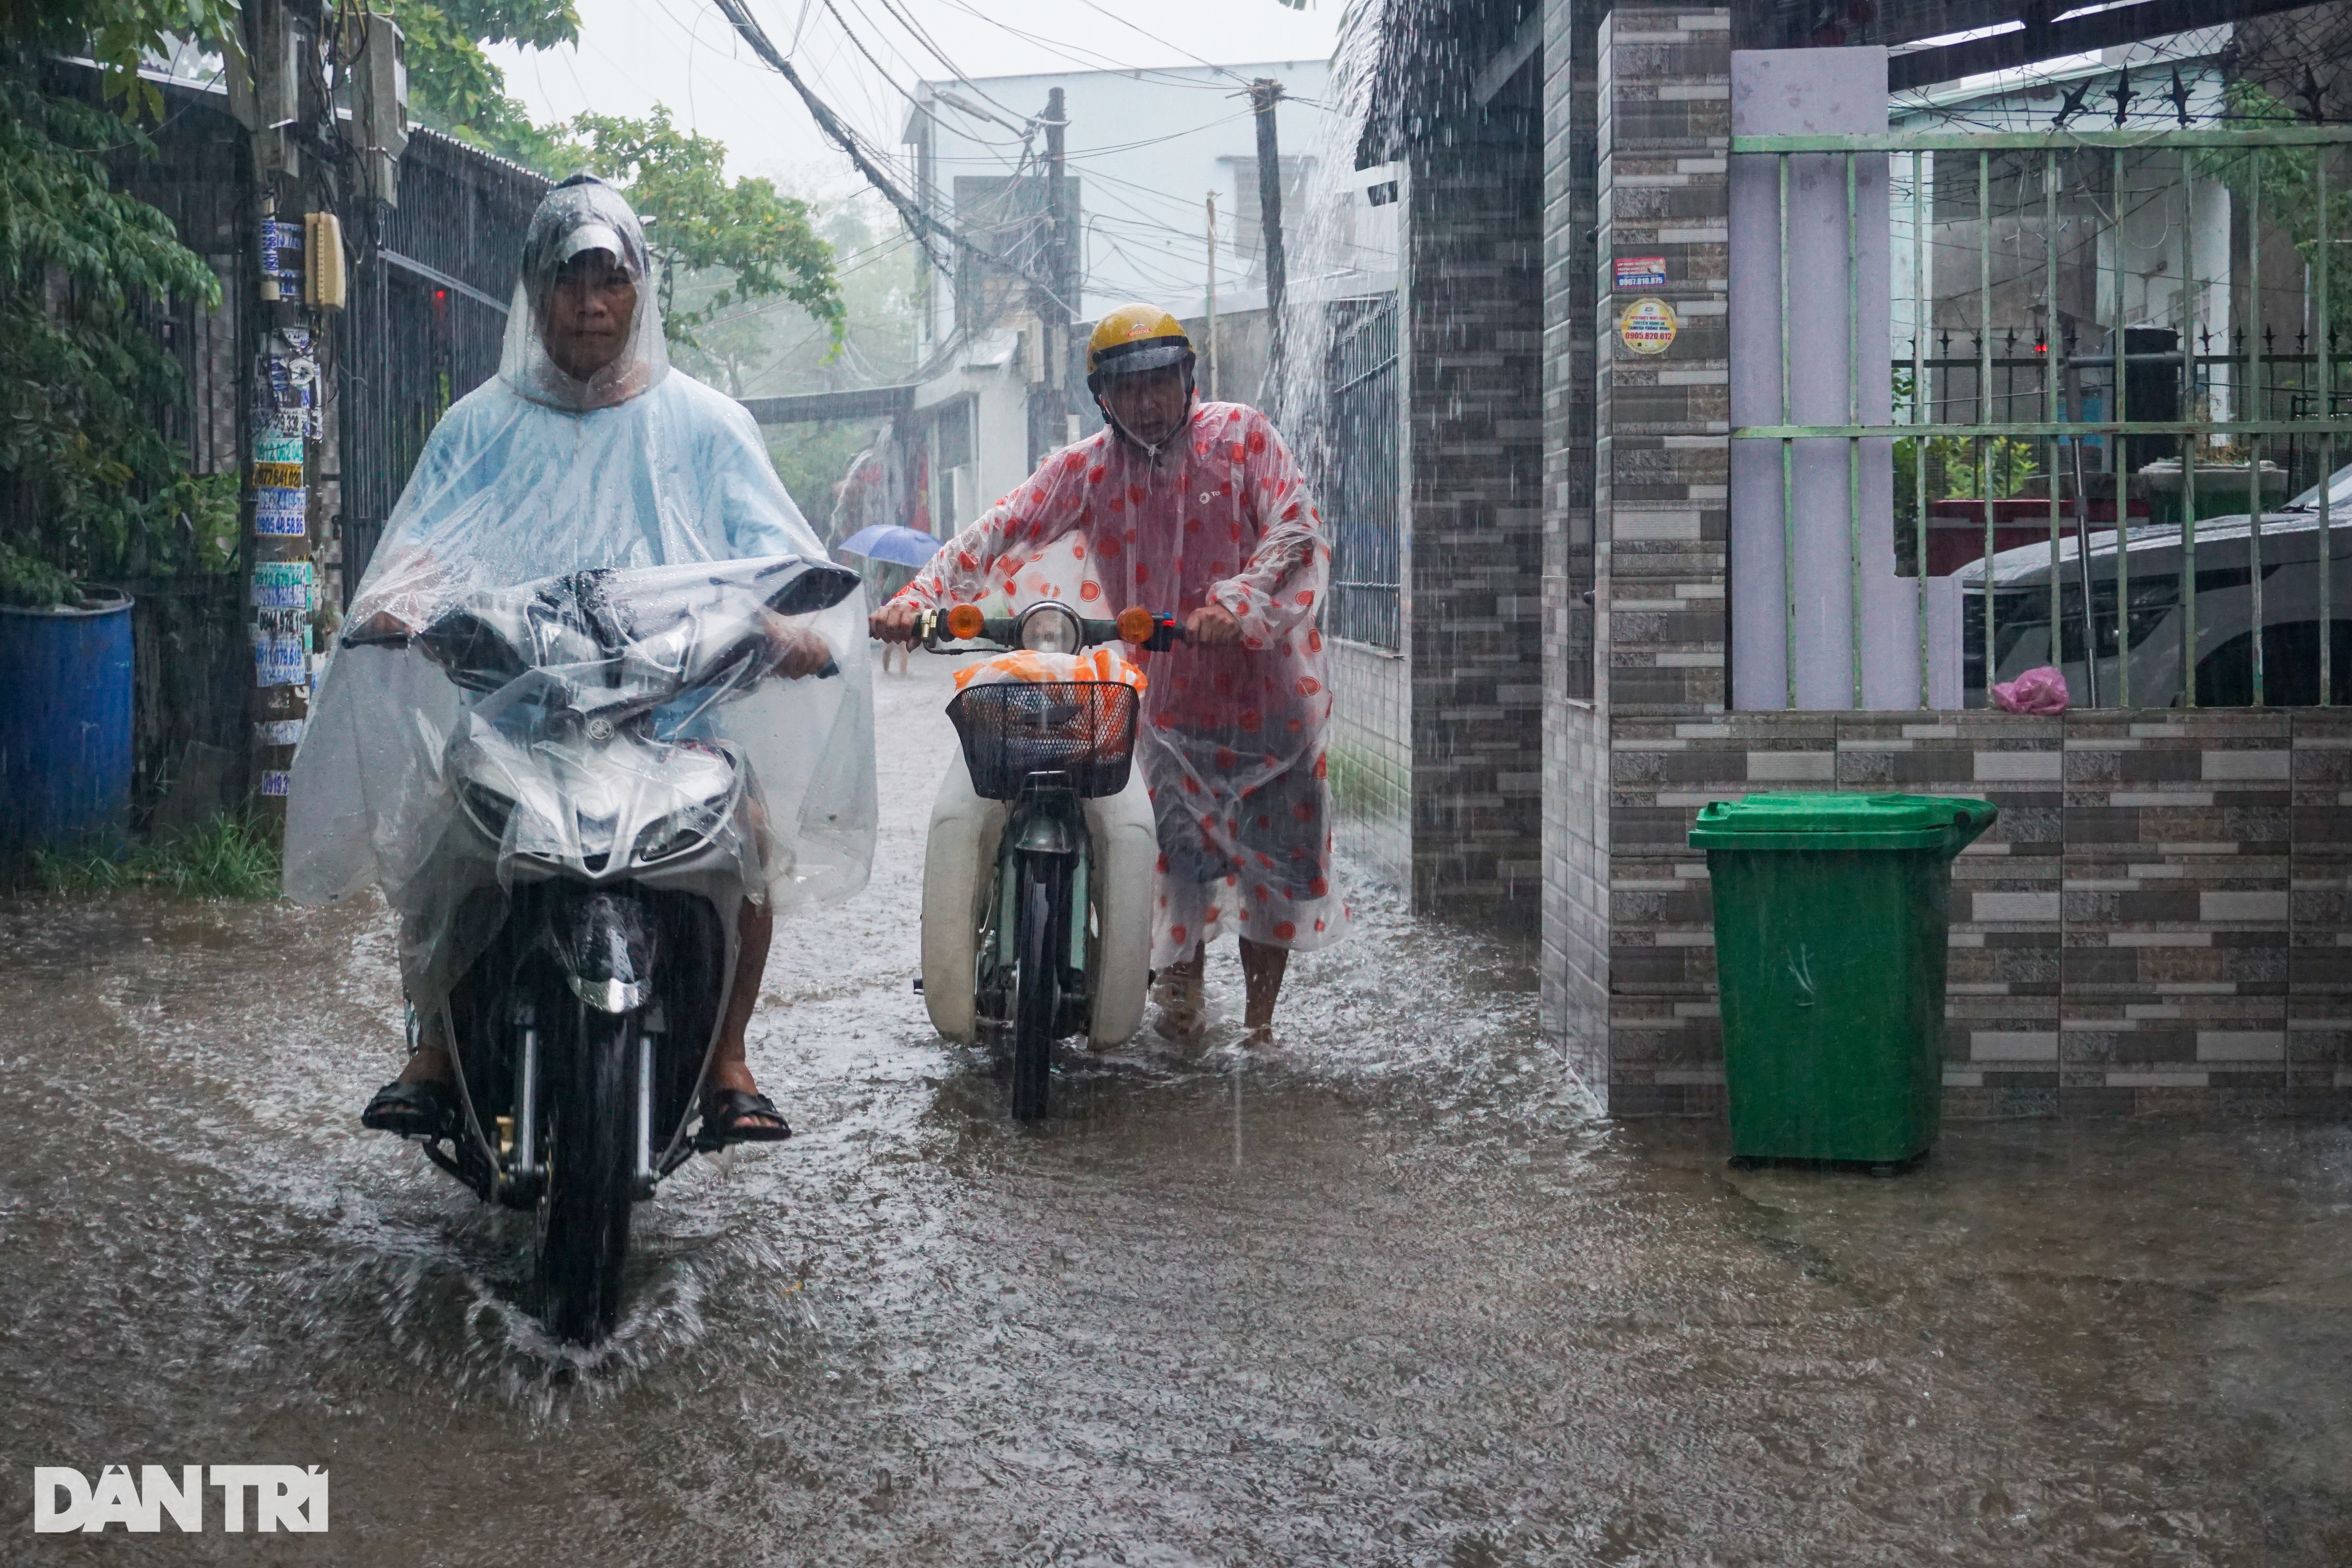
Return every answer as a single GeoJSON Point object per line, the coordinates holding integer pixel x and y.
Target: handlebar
{"type": "Point", "coordinates": [397, 637]}
{"type": "Point", "coordinates": [964, 623]}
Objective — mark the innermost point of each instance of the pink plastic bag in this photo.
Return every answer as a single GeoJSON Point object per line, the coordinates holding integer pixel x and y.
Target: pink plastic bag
{"type": "Point", "coordinates": [2039, 690]}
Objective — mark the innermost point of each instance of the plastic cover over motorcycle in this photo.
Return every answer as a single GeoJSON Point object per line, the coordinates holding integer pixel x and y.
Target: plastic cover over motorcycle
{"type": "Point", "coordinates": [1232, 738]}
{"type": "Point", "coordinates": [528, 482]}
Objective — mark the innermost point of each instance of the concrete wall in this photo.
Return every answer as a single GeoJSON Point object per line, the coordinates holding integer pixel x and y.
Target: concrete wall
{"type": "Point", "coordinates": [1573, 971]}
{"type": "Point", "coordinates": [1438, 746]}
{"type": "Point", "coordinates": [1371, 749]}
{"type": "Point", "coordinates": [1472, 346]}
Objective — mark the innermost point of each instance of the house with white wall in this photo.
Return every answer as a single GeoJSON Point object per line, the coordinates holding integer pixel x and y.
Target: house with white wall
{"type": "Point", "coordinates": [1146, 152]}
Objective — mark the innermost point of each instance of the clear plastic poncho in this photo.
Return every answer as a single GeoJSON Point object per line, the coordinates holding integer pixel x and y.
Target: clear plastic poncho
{"type": "Point", "coordinates": [1231, 739]}
{"type": "Point", "coordinates": [543, 495]}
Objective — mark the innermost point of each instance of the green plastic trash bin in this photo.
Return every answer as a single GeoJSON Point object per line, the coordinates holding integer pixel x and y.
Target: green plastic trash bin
{"type": "Point", "coordinates": [1829, 919]}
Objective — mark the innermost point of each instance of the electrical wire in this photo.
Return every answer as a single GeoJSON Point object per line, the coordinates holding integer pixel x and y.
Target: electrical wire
{"type": "Point", "coordinates": [911, 211]}
{"type": "Point", "coordinates": [923, 36]}
{"type": "Point", "coordinates": [1094, 6]}
{"type": "Point", "coordinates": [879, 68]}
{"type": "Point", "coordinates": [1098, 63]}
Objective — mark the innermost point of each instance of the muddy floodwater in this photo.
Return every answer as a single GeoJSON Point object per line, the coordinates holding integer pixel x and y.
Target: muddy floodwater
{"type": "Point", "coordinates": [1388, 1293]}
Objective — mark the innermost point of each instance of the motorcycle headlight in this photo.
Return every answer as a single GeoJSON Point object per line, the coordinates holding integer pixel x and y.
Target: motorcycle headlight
{"type": "Point", "coordinates": [490, 810]}
{"type": "Point", "coordinates": [1052, 628]}
{"type": "Point", "coordinates": [680, 831]}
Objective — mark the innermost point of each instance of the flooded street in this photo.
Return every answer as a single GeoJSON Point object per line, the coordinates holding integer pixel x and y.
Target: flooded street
{"type": "Point", "coordinates": [1386, 1294]}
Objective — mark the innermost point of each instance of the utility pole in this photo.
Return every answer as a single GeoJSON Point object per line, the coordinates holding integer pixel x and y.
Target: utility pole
{"type": "Point", "coordinates": [275, 92]}
{"type": "Point", "coordinates": [1050, 404]}
{"type": "Point", "coordinates": [1212, 296]}
{"type": "Point", "coordinates": [1264, 93]}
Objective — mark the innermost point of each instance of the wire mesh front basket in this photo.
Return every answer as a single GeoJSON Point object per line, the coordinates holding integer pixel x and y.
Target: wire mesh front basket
{"type": "Point", "coordinates": [1015, 728]}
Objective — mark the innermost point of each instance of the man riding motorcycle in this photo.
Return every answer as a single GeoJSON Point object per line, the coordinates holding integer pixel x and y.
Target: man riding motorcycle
{"type": "Point", "coordinates": [1196, 511]}
{"type": "Point", "coordinates": [586, 450]}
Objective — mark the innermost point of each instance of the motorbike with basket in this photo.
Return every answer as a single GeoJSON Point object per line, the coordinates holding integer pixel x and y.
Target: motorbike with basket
{"type": "Point", "coordinates": [1039, 868]}
{"type": "Point", "coordinates": [605, 836]}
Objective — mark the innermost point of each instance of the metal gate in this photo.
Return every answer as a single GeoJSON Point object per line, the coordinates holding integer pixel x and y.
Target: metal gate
{"type": "Point", "coordinates": [2068, 464]}
{"type": "Point", "coordinates": [1360, 488]}
{"type": "Point", "coordinates": [427, 319]}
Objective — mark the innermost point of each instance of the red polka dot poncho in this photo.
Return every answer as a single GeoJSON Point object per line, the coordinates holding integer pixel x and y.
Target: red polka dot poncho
{"type": "Point", "coordinates": [1232, 738]}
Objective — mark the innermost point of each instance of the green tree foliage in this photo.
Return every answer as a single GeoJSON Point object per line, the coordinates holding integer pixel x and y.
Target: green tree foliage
{"type": "Point", "coordinates": [759, 239]}
{"type": "Point", "coordinates": [83, 266]}
{"type": "Point", "coordinates": [453, 86]}
{"type": "Point", "coordinates": [700, 222]}
{"type": "Point", "coordinates": [2289, 194]}
{"type": "Point", "coordinates": [97, 490]}
{"type": "Point", "coordinates": [117, 33]}
{"type": "Point", "coordinates": [759, 349]}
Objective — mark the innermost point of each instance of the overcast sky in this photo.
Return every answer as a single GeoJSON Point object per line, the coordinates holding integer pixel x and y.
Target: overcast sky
{"type": "Point", "coordinates": [633, 54]}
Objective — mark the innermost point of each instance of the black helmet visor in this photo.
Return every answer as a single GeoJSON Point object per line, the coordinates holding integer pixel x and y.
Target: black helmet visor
{"type": "Point", "coordinates": [1152, 354]}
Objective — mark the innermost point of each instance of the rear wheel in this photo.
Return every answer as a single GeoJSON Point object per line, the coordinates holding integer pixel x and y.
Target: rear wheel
{"type": "Point", "coordinates": [1036, 996]}
{"type": "Point", "coordinates": [583, 1215]}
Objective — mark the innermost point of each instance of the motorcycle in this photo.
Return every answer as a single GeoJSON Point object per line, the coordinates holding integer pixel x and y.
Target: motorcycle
{"type": "Point", "coordinates": [1040, 864]}
{"type": "Point", "coordinates": [604, 842]}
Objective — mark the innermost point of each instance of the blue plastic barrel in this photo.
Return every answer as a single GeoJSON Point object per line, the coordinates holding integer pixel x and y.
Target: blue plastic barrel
{"type": "Point", "coordinates": [65, 723]}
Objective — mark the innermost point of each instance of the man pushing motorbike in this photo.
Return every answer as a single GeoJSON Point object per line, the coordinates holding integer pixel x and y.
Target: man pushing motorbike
{"type": "Point", "coordinates": [1195, 510]}
{"type": "Point", "coordinates": [587, 451]}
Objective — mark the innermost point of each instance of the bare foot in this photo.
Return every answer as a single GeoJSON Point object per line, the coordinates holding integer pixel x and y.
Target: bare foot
{"type": "Point", "coordinates": [427, 1063]}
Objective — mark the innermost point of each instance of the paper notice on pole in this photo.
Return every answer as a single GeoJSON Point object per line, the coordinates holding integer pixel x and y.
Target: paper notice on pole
{"type": "Point", "coordinates": [278, 476]}
{"type": "Point", "coordinates": [279, 733]}
{"type": "Point", "coordinates": [279, 661]}
{"type": "Point", "coordinates": [281, 251]}
{"type": "Point", "coordinates": [284, 586]}
{"type": "Point", "coordinates": [282, 645]}
{"type": "Point", "coordinates": [276, 782]}
{"type": "Point", "coordinates": [281, 511]}
{"type": "Point", "coordinates": [278, 437]}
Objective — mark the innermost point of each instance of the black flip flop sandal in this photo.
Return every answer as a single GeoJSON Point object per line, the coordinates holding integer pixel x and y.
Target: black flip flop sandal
{"type": "Point", "coordinates": [428, 1110]}
{"type": "Point", "coordinates": [732, 1116]}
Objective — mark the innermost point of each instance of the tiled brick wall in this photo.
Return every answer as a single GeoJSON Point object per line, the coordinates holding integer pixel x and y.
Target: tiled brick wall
{"type": "Point", "coordinates": [1662, 114]}
{"type": "Point", "coordinates": [1574, 967]}
{"type": "Point", "coordinates": [2157, 924]}
{"type": "Point", "coordinates": [1474, 342]}
{"type": "Point", "coordinates": [1663, 130]}
{"type": "Point", "coordinates": [2161, 921]}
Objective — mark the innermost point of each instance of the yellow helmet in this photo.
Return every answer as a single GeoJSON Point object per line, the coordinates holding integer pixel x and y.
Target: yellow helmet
{"type": "Point", "coordinates": [1134, 338]}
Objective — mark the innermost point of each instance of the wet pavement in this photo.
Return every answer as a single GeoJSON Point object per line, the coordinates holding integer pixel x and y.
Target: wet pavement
{"type": "Point", "coordinates": [1386, 1294]}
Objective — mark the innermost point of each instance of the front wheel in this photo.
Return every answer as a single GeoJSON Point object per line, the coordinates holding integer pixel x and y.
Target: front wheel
{"type": "Point", "coordinates": [1036, 994]}
{"type": "Point", "coordinates": [583, 1213]}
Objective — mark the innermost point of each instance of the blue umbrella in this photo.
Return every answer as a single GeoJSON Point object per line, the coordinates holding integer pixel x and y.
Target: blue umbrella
{"type": "Point", "coordinates": [888, 542]}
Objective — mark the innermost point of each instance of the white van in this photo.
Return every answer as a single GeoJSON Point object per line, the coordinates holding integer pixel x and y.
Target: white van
{"type": "Point", "coordinates": [2225, 610]}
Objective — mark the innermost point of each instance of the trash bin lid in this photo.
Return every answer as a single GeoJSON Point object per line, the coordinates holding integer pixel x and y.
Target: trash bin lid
{"type": "Point", "coordinates": [1833, 820]}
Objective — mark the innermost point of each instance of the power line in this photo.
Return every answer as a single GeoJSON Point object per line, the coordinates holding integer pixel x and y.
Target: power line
{"type": "Point", "coordinates": [923, 36]}
{"type": "Point", "coordinates": [1092, 5]}
{"type": "Point", "coordinates": [918, 221]}
{"type": "Point", "coordinates": [860, 45]}
{"type": "Point", "coordinates": [1098, 62]}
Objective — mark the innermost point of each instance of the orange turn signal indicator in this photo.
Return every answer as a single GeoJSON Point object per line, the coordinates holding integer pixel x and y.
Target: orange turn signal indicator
{"type": "Point", "coordinates": [1135, 624]}
{"type": "Point", "coordinates": [965, 622]}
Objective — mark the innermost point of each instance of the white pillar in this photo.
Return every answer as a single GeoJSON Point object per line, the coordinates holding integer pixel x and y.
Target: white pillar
{"type": "Point", "coordinates": [1814, 92]}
